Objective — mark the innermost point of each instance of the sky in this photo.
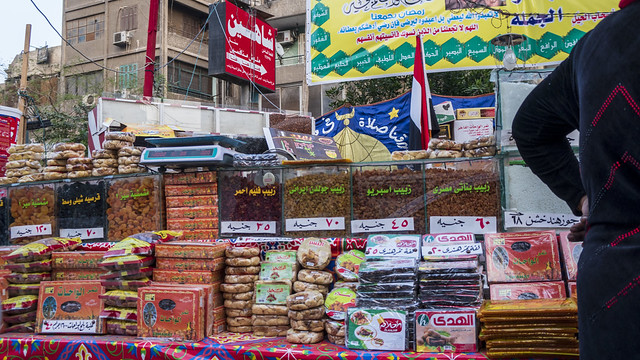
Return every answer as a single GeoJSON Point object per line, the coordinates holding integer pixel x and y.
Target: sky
{"type": "Point", "coordinates": [19, 13]}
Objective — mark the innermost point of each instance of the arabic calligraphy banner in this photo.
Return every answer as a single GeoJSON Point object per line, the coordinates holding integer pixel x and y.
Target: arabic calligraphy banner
{"type": "Point", "coordinates": [360, 39]}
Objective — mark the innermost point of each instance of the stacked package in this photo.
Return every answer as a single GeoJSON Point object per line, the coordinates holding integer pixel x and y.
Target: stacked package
{"type": "Point", "coordinates": [200, 266]}
{"type": "Point", "coordinates": [450, 284]}
{"type": "Point", "coordinates": [29, 265]}
{"type": "Point", "coordinates": [67, 160]}
{"type": "Point", "coordinates": [256, 160]}
{"type": "Point", "coordinates": [277, 273]}
{"type": "Point", "coordinates": [77, 265]}
{"type": "Point", "coordinates": [524, 265]}
{"type": "Point", "coordinates": [24, 164]}
{"type": "Point", "coordinates": [480, 146]}
{"type": "Point", "coordinates": [173, 312]}
{"type": "Point", "coordinates": [192, 204]}
{"type": "Point", "coordinates": [442, 148]}
{"type": "Point", "coordinates": [129, 268]}
{"type": "Point", "coordinates": [571, 251]}
{"type": "Point", "coordinates": [120, 144]}
{"type": "Point", "coordinates": [529, 328]}
{"type": "Point", "coordinates": [241, 273]}
{"type": "Point", "coordinates": [105, 162]}
{"type": "Point", "coordinates": [343, 294]}
{"type": "Point", "coordinates": [129, 160]}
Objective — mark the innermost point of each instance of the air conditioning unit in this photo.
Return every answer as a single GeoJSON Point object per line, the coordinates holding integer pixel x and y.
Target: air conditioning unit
{"type": "Point", "coordinates": [121, 38]}
{"type": "Point", "coordinates": [284, 37]}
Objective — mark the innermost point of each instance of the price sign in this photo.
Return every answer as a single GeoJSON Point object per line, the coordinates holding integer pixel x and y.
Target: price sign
{"type": "Point", "coordinates": [472, 224]}
{"type": "Point", "coordinates": [382, 225]}
{"type": "Point", "coordinates": [18, 232]}
{"type": "Point", "coordinates": [517, 219]}
{"type": "Point", "coordinates": [244, 227]}
{"type": "Point", "coordinates": [84, 234]}
{"type": "Point", "coordinates": [452, 250]}
{"type": "Point", "coordinates": [313, 224]}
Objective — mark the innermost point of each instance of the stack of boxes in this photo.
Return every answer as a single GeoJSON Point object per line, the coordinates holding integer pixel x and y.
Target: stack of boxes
{"type": "Point", "coordinates": [192, 204]}
{"type": "Point", "coordinates": [570, 251]}
{"type": "Point", "coordinates": [194, 265]}
{"type": "Point", "coordinates": [77, 265]}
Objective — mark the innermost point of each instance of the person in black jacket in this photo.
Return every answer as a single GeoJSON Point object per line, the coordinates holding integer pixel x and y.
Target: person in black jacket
{"type": "Point", "coordinates": [597, 91]}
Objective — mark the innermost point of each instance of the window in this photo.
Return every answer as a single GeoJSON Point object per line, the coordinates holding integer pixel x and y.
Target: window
{"type": "Point", "coordinates": [89, 83]}
{"type": "Point", "coordinates": [85, 29]}
{"type": "Point", "coordinates": [128, 76]}
{"type": "Point", "coordinates": [183, 78]}
{"type": "Point", "coordinates": [129, 18]}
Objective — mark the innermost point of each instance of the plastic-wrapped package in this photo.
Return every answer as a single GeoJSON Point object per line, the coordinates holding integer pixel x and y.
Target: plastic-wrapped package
{"type": "Point", "coordinates": [428, 267]}
{"type": "Point", "coordinates": [348, 265]}
{"type": "Point", "coordinates": [23, 289]}
{"type": "Point", "coordinates": [384, 302]}
{"type": "Point", "coordinates": [133, 274]}
{"type": "Point", "coordinates": [127, 262]}
{"type": "Point", "coordinates": [120, 298]}
{"type": "Point", "coordinates": [395, 270]}
{"type": "Point", "coordinates": [42, 249]}
{"type": "Point", "coordinates": [387, 294]}
{"type": "Point", "coordinates": [527, 291]}
{"type": "Point", "coordinates": [451, 276]}
{"type": "Point", "coordinates": [377, 329]}
{"type": "Point", "coordinates": [387, 287]}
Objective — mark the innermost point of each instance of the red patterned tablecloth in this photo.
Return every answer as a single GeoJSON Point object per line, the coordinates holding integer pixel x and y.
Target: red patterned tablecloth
{"type": "Point", "coordinates": [223, 347]}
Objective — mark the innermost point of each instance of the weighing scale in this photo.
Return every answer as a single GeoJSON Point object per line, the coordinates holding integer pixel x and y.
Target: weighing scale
{"type": "Point", "coordinates": [189, 152]}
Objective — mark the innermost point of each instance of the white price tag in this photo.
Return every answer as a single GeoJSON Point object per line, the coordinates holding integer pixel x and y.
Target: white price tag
{"type": "Point", "coordinates": [472, 224]}
{"type": "Point", "coordinates": [30, 230]}
{"type": "Point", "coordinates": [69, 326]}
{"type": "Point", "coordinates": [517, 219]}
{"type": "Point", "coordinates": [313, 224]}
{"type": "Point", "coordinates": [245, 227]}
{"type": "Point", "coordinates": [382, 225]}
{"type": "Point", "coordinates": [452, 250]}
{"type": "Point", "coordinates": [84, 234]}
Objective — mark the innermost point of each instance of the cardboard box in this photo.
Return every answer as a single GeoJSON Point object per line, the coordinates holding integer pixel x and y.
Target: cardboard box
{"type": "Point", "coordinates": [189, 250]}
{"type": "Point", "coordinates": [191, 201]}
{"type": "Point", "coordinates": [188, 276]}
{"type": "Point", "coordinates": [77, 259]}
{"type": "Point", "coordinates": [191, 190]}
{"type": "Point", "coordinates": [522, 256]}
{"type": "Point", "coordinates": [570, 254]}
{"type": "Point", "coordinates": [190, 264]}
{"type": "Point", "coordinates": [446, 131]}
{"type": "Point", "coordinates": [78, 274]}
{"type": "Point", "coordinates": [528, 291]}
{"type": "Point", "coordinates": [388, 325]}
{"type": "Point", "coordinates": [220, 326]}
{"type": "Point", "coordinates": [461, 325]}
{"type": "Point", "coordinates": [70, 307]}
{"type": "Point", "coordinates": [176, 313]}
{"type": "Point", "coordinates": [219, 314]}
{"type": "Point", "coordinates": [573, 289]}
{"type": "Point", "coordinates": [476, 113]}
{"type": "Point", "coordinates": [192, 224]}
{"type": "Point", "coordinates": [192, 212]}
{"type": "Point", "coordinates": [209, 302]}
{"type": "Point", "coordinates": [199, 235]}
{"type": "Point", "coordinates": [200, 177]}
{"type": "Point", "coordinates": [465, 130]}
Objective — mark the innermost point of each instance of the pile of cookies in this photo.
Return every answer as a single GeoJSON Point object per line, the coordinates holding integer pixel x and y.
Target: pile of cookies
{"type": "Point", "coordinates": [306, 313]}
{"type": "Point", "coordinates": [314, 255]}
{"type": "Point", "coordinates": [24, 164]}
{"type": "Point", "coordinates": [129, 160]}
{"type": "Point", "coordinates": [105, 162]}
{"type": "Point", "coordinates": [57, 161]}
{"type": "Point", "coordinates": [241, 272]}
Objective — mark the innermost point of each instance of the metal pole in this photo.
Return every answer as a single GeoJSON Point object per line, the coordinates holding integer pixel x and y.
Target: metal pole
{"type": "Point", "coordinates": [22, 127]}
{"type": "Point", "coordinates": [150, 58]}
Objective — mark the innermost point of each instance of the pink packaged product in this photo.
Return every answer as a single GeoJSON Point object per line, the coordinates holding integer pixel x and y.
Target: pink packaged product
{"type": "Point", "coordinates": [528, 291]}
{"type": "Point", "coordinates": [446, 330]}
{"type": "Point", "coordinates": [570, 255]}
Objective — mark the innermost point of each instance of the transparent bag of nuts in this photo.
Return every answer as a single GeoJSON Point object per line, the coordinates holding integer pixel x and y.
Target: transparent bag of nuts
{"type": "Point", "coordinates": [133, 206]}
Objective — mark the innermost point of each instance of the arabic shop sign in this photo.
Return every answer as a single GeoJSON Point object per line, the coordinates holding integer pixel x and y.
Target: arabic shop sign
{"type": "Point", "coordinates": [472, 224]}
{"type": "Point", "coordinates": [517, 219]}
{"type": "Point", "coordinates": [360, 39]}
{"type": "Point", "coordinates": [452, 250]}
{"type": "Point", "coordinates": [248, 44]}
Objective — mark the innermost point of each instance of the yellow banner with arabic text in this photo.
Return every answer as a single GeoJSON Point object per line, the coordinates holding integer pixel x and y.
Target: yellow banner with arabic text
{"type": "Point", "coordinates": [362, 39]}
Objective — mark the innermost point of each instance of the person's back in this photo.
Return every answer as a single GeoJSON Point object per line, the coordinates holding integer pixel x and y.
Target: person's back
{"type": "Point", "coordinates": [598, 91]}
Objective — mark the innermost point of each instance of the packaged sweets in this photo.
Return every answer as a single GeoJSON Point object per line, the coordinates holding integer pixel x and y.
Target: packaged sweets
{"type": "Point", "coordinates": [28, 278]}
{"type": "Point", "coordinates": [129, 246]}
{"type": "Point", "coordinates": [19, 304]}
{"type": "Point", "coordinates": [187, 276]}
{"type": "Point", "coordinates": [277, 271]}
{"type": "Point", "coordinates": [20, 318]}
{"type": "Point", "coordinates": [395, 270]}
{"type": "Point", "coordinates": [70, 307]}
{"type": "Point", "coordinates": [77, 274]}
{"type": "Point", "coordinates": [338, 301]}
{"type": "Point", "coordinates": [23, 289]}
{"type": "Point", "coordinates": [184, 306]}
{"type": "Point", "coordinates": [120, 298]}
{"type": "Point", "coordinates": [376, 329]}
{"type": "Point", "coordinates": [42, 249]}
{"type": "Point", "coordinates": [305, 300]}
{"type": "Point", "coordinates": [132, 274]}
{"type": "Point", "coordinates": [190, 250]}
{"type": "Point", "coordinates": [76, 259]}
{"type": "Point", "coordinates": [528, 291]}
{"type": "Point", "coordinates": [127, 262]}
{"type": "Point", "coordinates": [348, 264]}
{"type": "Point", "coordinates": [522, 257]}
{"type": "Point", "coordinates": [30, 267]}
{"type": "Point", "coordinates": [571, 251]}
{"type": "Point", "coordinates": [126, 285]}
{"type": "Point", "coordinates": [111, 312]}
{"type": "Point", "coordinates": [314, 253]}
{"type": "Point", "coordinates": [446, 331]}
{"type": "Point", "coordinates": [121, 327]}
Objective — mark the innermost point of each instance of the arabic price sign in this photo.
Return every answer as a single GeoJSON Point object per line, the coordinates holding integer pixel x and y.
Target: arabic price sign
{"type": "Point", "coordinates": [84, 234]}
{"type": "Point", "coordinates": [452, 250]}
{"type": "Point", "coordinates": [472, 224]}
{"type": "Point", "coordinates": [360, 39]}
{"type": "Point", "coordinates": [517, 219]}
{"type": "Point", "coordinates": [313, 224]}
{"type": "Point", "coordinates": [382, 225]}
{"type": "Point", "coordinates": [243, 227]}
{"type": "Point", "coordinates": [249, 47]}
{"type": "Point", "coordinates": [30, 230]}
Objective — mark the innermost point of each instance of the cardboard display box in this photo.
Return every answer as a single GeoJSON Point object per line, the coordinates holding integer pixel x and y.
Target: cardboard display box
{"type": "Point", "coordinates": [70, 307]}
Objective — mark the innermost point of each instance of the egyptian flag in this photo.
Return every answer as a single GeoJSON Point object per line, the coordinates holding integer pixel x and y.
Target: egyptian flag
{"type": "Point", "coordinates": [423, 117]}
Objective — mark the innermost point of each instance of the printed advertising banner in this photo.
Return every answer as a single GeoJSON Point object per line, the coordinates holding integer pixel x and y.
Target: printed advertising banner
{"type": "Point", "coordinates": [361, 39]}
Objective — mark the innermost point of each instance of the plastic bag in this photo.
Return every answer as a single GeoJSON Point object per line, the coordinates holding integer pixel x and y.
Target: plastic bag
{"type": "Point", "coordinates": [19, 304]}
{"type": "Point", "coordinates": [120, 298]}
{"type": "Point", "coordinates": [30, 267]}
{"type": "Point", "coordinates": [42, 249]}
{"type": "Point", "coordinates": [119, 313]}
{"type": "Point", "coordinates": [28, 278]}
{"type": "Point", "coordinates": [127, 262]}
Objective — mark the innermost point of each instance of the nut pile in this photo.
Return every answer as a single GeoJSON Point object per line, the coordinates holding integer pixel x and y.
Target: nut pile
{"type": "Point", "coordinates": [31, 205]}
{"type": "Point", "coordinates": [133, 206]}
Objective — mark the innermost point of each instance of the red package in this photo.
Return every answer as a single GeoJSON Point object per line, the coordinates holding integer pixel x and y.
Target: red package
{"type": "Point", "coordinates": [23, 289]}
{"type": "Point", "coordinates": [128, 262]}
{"type": "Point", "coordinates": [132, 274]}
{"type": "Point", "coordinates": [42, 249]}
{"type": "Point", "coordinates": [128, 285]}
{"type": "Point", "coordinates": [522, 257]}
{"type": "Point", "coordinates": [191, 201]}
{"type": "Point", "coordinates": [119, 314]}
{"type": "Point", "coordinates": [528, 291]}
{"type": "Point", "coordinates": [571, 254]}
{"type": "Point", "coordinates": [95, 246]}
{"type": "Point", "coordinates": [191, 190]}
{"type": "Point", "coordinates": [28, 278]}
{"type": "Point", "coordinates": [192, 212]}
{"type": "Point", "coordinates": [19, 304]}
{"type": "Point", "coordinates": [200, 177]}
{"type": "Point", "coordinates": [30, 267]}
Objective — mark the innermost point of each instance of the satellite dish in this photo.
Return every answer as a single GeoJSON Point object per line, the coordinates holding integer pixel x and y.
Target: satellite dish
{"type": "Point", "coordinates": [279, 49]}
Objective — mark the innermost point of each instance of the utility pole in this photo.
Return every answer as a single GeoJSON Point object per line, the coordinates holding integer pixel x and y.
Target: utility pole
{"type": "Point", "coordinates": [22, 126]}
{"type": "Point", "coordinates": [150, 58]}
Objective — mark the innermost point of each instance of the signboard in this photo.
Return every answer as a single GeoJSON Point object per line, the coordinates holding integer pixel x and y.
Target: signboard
{"type": "Point", "coordinates": [249, 47]}
{"type": "Point", "coordinates": [355, 39]}
{"type": "Point", "coordinates": [303, 146]}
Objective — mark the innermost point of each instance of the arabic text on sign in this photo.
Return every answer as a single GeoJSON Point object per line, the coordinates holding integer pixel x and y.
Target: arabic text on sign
{"type": "Point", "coordinates": [382, 225]}
{"type": "Point", "coordinates": [243, 227]}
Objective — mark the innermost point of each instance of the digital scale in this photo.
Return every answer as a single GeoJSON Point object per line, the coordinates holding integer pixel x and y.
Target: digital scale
{"type": "Point", "coordinates": [189, 152]}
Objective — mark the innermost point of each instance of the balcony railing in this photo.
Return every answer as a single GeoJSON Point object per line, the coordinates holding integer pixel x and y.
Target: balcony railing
{"type": "Point", "coordinates": [290, 60]}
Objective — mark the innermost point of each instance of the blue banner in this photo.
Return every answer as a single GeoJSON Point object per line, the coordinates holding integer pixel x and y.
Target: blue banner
{"type": "Point", "coordinates": [373, 132]}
